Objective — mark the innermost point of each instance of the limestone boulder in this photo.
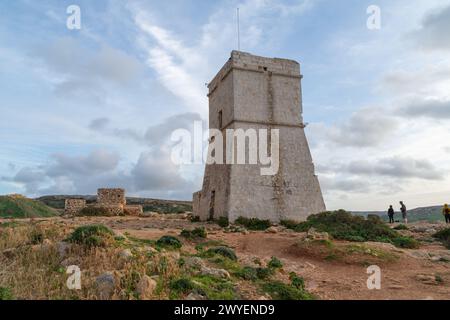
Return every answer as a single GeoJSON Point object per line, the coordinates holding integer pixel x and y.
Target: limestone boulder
{"type": "Point", "coordinates": [63, 249]}
{"type": "Point", "coordinates": [220, 273]}
{"type": "Point", "coordinates": [313, 234]}
{"type": "Point", "coordinates": [126, 254]}
{"type": "Point", "coordinates": [105, 285]}
{"type": "Point", "coordinates": [146, 287]}
{"type": "Point", "coordinates": [195, 296]}
{"type": "Point", "coordinates": [194, 262]}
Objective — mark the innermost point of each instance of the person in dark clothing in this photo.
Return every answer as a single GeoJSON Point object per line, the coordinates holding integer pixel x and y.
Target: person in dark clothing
{"type": "Point", "coordinates": [391, 214]}
{"type": "Point", "coordinates": [403, 210]}
{"type": "Point", "coordinates": [446, 213]}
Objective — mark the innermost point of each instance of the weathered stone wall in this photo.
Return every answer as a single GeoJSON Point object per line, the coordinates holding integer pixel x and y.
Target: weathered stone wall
{"type": "Point", "coordinates": [111, 209]}
{"type": "Point", "coordinates": [260, 93]}
{"type": "Point", "coordinates": [133, 210]}
{"type": "Point", "coordinates": [74, 206]}
{"type": "Point", "coordinates": [112, 201]}
{"type": "Point", "coordinates": [111, 196]}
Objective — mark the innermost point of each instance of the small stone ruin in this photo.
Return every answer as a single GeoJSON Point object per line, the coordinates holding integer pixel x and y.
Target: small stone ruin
{"type": "Point", "coordinates": [73, 206]}
{"type": "Point", "coordinates": [113, 201]}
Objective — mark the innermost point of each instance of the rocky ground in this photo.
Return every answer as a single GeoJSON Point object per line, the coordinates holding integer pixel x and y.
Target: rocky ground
{"type": "Point", "coordinates": [330, 269]}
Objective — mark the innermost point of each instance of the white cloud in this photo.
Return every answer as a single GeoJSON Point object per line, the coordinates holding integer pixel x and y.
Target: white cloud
{"type": "Point", "coordinates": [184, 69]}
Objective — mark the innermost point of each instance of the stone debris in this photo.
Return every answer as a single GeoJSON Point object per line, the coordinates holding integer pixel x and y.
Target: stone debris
{"type": "Point", "coordinates": [63, 249]}
{"type": "Point", "coordinates": [272, 229]}
{"type": "Point", "coordinates": [427, 279]}
{"type": "Point", "coordinates": [146, 287]}
{"type": "Point", "coordinates": [220, 273]}
{"type": "Point", "coordinates": [105, 285]}
{"type": "Point", "coordinates": [195, 296]}
{"type": "Point", "coordinates": [194, 262]}
{"type": "Point", "coordinates": [313, 234]}
{"type": "Point", "coordinates": [126, 254]}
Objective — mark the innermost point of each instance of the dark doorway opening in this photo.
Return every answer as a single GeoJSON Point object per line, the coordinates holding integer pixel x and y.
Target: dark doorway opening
{"type": "Point", "coordinates": [211, 204]}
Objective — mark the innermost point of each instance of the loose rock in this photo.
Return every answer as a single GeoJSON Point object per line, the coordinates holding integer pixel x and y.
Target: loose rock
{"type": "Point", "coordinates": [146, 287]}
{"type": "Point", "coordinates": [220, 273]}
{"type": "Point", "coordinates": [105, 284]}
{"type": "Point", "coordinates": [63, 249]}
{"type": "Point", "coordinates": [126, 254]}
{"type": "Point", "coordinates": [313, 234]}
{"type": "Point", "coordinates": [195, 296]}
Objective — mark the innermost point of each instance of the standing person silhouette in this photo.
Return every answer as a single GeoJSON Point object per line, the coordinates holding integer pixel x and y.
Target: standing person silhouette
{"type": "Point", "coordinates": [404, 214]}
{"type": "Point", "coordinates": [446, 213]}
{"type": "Point", "coordinates": [391, 214]}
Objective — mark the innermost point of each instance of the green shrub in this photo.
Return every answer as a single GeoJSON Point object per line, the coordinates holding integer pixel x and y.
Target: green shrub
{"type": "Point", "coordinates": [169, 242]}
{"type": "Point", "coordinates": [345, 226]}
{"type": "Point", "coordinates": [94, 235]}
{"type": "Point", "coordinates": [281, 291]}
{"type": "Point", "coordinates": [214, 288]}
{"type": "Point", "coordinates": [247, 273]}
{"type": "Point", "coordinates": [223, 251]}
{"type": "Point", "coordinates": [296, 226]}
{"type": "Point", "coordinates": [206, 244]}
{"type": "Point", "coordinates": [182, 285]}
{"type": "Point", "coordinates": [374, 218]}
{"type": "Point", "coordinates": [211, 287]}
{"type": "Point", "coordinates": [405, 242]}
{"type": "Point", "coordinates": [291, 224]}
{"type": "Point", "coordinates": [223, 222]}
{"type": "Point", "coordinates": [263, 273]}
{"type": "Point", "coordinates": [5, 294]}
{"type": "Point", "coordinates": [250, 273]}
{"type": "Point", "coordinates": [296, 281]}
{"type": "Point", "coordinates": [401, 227]}
{"type": "Point", "coordinates": [275, 263]}
{"type": "Point", "coordinates": [253, 223]}
{"type": "Point", "coordinates": [193, 234]}
{"type": "Point", "coordinates": [444, 236]}
{"type": "Point", "coordinates": [94, 211]}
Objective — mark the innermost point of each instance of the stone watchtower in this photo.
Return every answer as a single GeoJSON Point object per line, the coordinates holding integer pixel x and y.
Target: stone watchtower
{"type": "Point", "coordinates": [260, 93]}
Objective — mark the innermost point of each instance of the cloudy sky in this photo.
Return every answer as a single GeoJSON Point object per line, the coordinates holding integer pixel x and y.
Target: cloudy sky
{"type": "Point", "coordinates": [80, 109]}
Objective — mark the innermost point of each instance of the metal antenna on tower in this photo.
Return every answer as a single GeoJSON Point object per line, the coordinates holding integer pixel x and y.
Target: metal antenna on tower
{"type": "Point", "coordinates": [238, 31]}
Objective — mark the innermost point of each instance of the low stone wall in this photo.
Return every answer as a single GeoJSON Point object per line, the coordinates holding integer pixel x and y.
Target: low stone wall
{"type": "Point", "coordinates": [112, 210]}
{"type": "Point", "coordinates": [74, 206]}
{"type": "Point", "coordinates": [133, 210]}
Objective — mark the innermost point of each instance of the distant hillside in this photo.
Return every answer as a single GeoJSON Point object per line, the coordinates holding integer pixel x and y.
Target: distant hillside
{"type": "Point", "coordinates": [17, 206]}
{"type": "Point", "coordinates": [432, 213]}
{"type": "Point", "coordinates": [154, 205]}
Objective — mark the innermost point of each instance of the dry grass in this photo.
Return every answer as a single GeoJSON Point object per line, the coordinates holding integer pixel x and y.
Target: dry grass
{"type": "Point", "coordinates": [32, 268]}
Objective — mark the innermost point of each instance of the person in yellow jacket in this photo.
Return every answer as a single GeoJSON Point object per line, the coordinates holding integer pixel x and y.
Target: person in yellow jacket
{"type": "Point", "coordinates": [446, 213]}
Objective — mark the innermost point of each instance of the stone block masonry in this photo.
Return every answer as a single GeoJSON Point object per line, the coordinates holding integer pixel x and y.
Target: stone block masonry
{"type": "Point", "coordinates": [74, 206]}
{"type": "Point", "coordinates": [133, 210]}
{"type": "Point", "coordinates": [111, 200]}
{"type": "Point", "coordinates": [111, 196]}
{"type": "Point", "coordinates": [252, 92]}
